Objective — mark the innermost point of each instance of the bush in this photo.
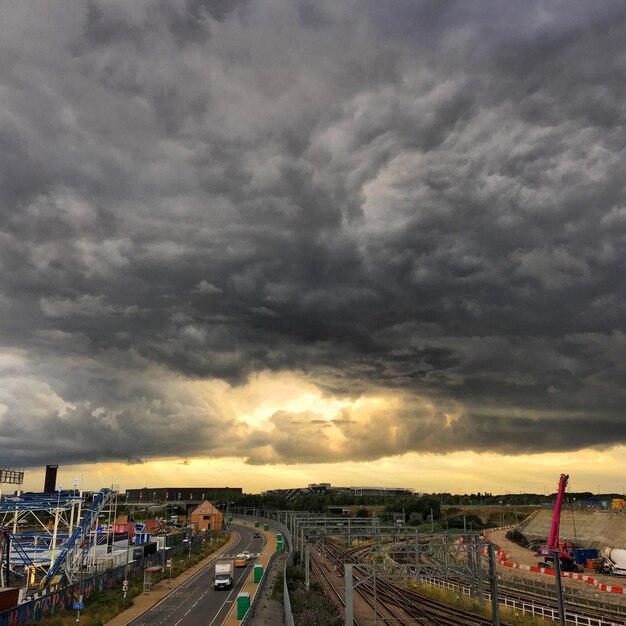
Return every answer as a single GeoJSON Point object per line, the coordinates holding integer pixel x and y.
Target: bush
{"type": "Point", "coordinates": [309, 608]}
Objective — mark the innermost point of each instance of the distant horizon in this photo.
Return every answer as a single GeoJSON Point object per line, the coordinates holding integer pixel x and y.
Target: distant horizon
{"type": "Point", "coordinates": [91, 480]}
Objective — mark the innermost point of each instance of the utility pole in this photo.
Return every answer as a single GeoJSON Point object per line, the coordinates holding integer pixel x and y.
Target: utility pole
{"type": "Point", "coordinates": [470, 566]}
{"type": "Point", "coordinates": [307, 575]}
{"type": "Point", "coordinates": [479, 572]}
{"type": "Point", "coordinates": [559, 586]}
{"type": "Point", "coordinates": [349, 599]}
{"type": "Point", "coordinates": [493, 580]}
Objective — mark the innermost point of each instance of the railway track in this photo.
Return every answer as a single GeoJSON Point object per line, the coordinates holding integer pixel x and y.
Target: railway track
{"type": "Point", "coordinates": [384, 614]}
{"type": "Point", "coordinates": [575, 614]}
{"type": "Point", "coordinates": [394, 604]}
{"type": "Point", "coordinates": [328, 584]}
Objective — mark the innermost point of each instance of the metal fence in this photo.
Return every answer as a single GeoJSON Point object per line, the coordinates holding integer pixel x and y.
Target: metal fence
{"type": "Point", "coordinates": [528, 607]}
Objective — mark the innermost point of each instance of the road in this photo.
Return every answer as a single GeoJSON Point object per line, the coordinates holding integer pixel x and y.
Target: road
{"type": "Point", "coordinates": [195, 602]}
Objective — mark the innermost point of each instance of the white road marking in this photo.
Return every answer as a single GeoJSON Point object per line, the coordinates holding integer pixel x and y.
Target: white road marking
{"type": "Point", "coordinates": [194, 578]}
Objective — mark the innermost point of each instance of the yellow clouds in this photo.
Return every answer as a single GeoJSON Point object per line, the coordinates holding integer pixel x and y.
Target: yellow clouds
{"type": "Point", "coordinates": [283, 418]}
{"type": "Point", "coordinates": [457, 472]}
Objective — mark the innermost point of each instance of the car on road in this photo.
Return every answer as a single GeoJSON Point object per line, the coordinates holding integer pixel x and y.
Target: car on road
{"type": "Point", "coordinates": [240, 560]}
{"type": "Point", "coordinates": [246, 554]}
{"type": "Point", "coordinates": [257, 534]}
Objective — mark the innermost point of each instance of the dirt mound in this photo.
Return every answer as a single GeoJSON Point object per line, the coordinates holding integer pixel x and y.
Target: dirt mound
{"type": "Point", "coordinates": [593, 529]}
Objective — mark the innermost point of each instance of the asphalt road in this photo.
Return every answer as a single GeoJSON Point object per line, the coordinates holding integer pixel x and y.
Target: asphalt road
{"type": "Point", "coordinates": [195, 602]}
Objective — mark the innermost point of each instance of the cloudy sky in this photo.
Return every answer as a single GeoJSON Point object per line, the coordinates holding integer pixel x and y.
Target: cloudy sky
{"type": "Point", "coordinates": [272, 242]}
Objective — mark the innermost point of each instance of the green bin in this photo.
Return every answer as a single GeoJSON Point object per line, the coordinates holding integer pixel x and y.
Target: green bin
{"type": "Point", "coordinates": [256, 523]}
{"type": "Point", "coordinates": [266, 527]}
{"type": "Point", "coordinates": [243, 604]}
{"type": "Point", "coordinates": [258, 573]}
{"type": "Point", "coordinates": [279, 545]}
{"type": "Point", "coordinates": [279, 537]}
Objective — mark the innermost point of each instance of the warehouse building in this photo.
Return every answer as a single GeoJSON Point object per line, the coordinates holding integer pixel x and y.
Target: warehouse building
{"type": "Point", "coordinates": [182, 494]}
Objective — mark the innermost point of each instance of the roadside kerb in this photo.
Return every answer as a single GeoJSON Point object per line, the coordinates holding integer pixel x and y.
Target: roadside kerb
{"type": "Point", "coordinates": [160, 590]}
{"type": "Point", "coordinates": [249, 585]}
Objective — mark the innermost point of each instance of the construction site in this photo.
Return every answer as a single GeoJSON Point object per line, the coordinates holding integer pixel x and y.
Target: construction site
{"type": "Point", "coordinates": [555, 561]}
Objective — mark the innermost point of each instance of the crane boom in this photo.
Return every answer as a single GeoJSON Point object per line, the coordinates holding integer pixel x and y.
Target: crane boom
{"type": "Point", "coordinates": [553, 539]}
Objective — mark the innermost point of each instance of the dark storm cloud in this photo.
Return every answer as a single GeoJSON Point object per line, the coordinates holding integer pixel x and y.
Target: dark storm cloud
{"type": "Point", "coordinates": [422, 198]}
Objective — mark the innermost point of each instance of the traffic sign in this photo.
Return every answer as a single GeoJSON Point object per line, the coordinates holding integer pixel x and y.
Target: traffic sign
{"type": "Point", "coordinates": [77, 606]}
{"type": "Point", "coordinates": [169, 562]}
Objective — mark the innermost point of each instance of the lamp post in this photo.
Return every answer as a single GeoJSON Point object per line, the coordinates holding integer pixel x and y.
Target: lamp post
{"type": "Point", "coordinates": [228, 514]}
{"type": "Point", "coordinates": [80, 577]}
{"type": "Point", "coordinates": [125, 586]}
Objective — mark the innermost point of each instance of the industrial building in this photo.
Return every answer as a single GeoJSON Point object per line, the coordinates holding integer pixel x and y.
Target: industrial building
{"type": "Point", "coordinates": [387, 492]}
{"type": "Point", "coordinates": [182, 494]}
{"type": "Point", "coordinates": [323, 488]}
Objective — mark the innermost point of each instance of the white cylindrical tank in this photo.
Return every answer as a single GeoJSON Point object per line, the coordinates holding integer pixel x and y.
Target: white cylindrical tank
{"type": "Point", "coordinates": [617, 556]}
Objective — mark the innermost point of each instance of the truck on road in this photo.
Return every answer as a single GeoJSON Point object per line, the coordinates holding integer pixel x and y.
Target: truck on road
{"type": "Point", "coordinates": [223, 575]}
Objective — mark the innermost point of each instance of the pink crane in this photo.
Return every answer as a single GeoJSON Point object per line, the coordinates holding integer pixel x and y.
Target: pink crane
{"type": "Point", "coordinates": [547, 551]}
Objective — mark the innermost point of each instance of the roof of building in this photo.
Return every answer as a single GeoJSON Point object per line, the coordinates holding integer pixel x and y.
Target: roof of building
{"type": "Point", "coordinates": [206, 508]}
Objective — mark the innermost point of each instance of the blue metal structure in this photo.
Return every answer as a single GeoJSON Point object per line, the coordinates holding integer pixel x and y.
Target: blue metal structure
{"type": "Point", "coordinates": [38, 502]}
{"type": "Point", "coordinates": [68, 559]}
